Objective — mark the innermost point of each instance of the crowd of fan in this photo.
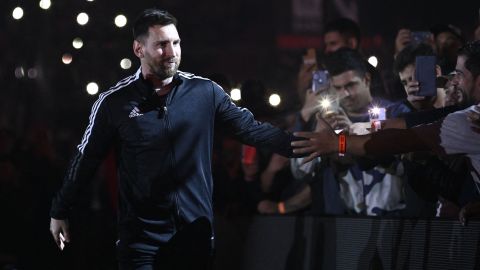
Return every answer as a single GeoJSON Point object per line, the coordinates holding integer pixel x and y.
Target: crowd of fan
{"type": "Point", "coordinates": [418, 184]}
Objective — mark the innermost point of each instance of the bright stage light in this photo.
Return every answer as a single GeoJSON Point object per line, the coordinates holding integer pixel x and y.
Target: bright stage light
{"type": "Point", "coordinates": [120, 20]}
{"type": "Point", "coordinates": [236, 94]}
{"type": "Point", "coordinates": [274, 100]}
{"type": "Point", "coordinates": [17, 13]}
{"type": "Point", "coordinates": [82, 18]}
{"type": "Point", "coordinates": [125, 63]}
{"type": "Point", "coordinates": [92, 88]}
{"type": "Point", "coordinates": [45, 4]}
{"type": "Point", "coordinates": [67, 58]}
{"type": "Point", "coordinates": [77, 43]}
{"type": "Point", "coordinates": [373, 61]}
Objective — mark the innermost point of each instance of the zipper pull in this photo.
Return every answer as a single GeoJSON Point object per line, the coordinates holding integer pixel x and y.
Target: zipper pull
{"type": "Point", "coordinates": [165, 109]}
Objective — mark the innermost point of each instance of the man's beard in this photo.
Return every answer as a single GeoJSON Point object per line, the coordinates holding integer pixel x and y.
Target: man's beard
{"type": "Point", "coordinates": [162, 72]}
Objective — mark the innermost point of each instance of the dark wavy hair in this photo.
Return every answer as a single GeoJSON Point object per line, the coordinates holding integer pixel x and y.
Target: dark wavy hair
{"type": "Point", "coordinates": [407, 56]}
{"type": "Point", "coordinates": [345, 27]}
{"type": "Point", "coordinates": [346, 59]}
{"type": "Point", "coordinates": [151, 17]}
{"type": "Point", "coordinates": [471, 51]}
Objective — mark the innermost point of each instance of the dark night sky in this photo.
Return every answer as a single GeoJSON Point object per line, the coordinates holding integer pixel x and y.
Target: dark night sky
{"type": "Point", "coordinates": [237, 38]}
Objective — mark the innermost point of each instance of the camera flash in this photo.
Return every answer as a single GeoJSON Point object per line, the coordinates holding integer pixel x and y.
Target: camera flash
{"type": "Point", "coordinates": [325, 103]}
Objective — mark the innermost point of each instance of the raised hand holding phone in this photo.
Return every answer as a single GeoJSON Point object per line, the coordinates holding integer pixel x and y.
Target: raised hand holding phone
{"type": "Point", "coordinates": [425, 75]}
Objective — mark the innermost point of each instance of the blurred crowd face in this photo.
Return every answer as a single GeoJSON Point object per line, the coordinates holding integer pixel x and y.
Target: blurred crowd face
{"type": "Point", "coordinates": [454, 95]}
{"type": "Point", "coordinates": [464, 81]}
{"type": "Point", "coordinates": [406, 75]}
{"type": "Point", "coordinates": [353, 91]}
{"type": "Point", "coordinates": [447, 46]}
{"type": "Point", "coordinates": [334, 41]}
{"type": "Point", "coordinates": [447, 42]}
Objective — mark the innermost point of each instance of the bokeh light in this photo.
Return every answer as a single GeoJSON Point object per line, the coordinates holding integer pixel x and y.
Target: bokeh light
{"type": "Point", "coordinates": [67, 58]}
{"type": "Point", "coordinates": [274, 100]}
{"type": "Point", "coordinates": [92, 88]}
{"type": "Point", "coordinates": [120, 20]}
{"type": "Point", "coordinates": [125, 63]}
{"type": "Point", "coordinates": [17, 13]}
{"type": "Point", "coordinates": [77, 43]}
{"type": "Point", "coordinates": [236, 94]}
{"type": "Point", "coordinates": [45, 4]}
{"type": "Point", "coordinates": [82, 18]}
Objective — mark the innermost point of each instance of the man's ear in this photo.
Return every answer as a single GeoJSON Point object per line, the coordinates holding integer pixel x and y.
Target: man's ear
{"type": "Point", "coordinates": [438, 70]}
{"type": "Point", "coordinates": [368, 79]}
{"type": "Point", "coordinates": [138, 48]}
{"type": "Point", "coordinates": [352, 43]}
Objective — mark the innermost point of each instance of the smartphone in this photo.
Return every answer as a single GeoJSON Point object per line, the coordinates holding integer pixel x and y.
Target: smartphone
{"type": "Point", "coordinates": [418, 37]}
{"type": "Point", "coordinates": [377, 115]}
{"type": "Point", "coordinates": [320, 81]}
{"type": "Point", "coordinates": [425, 75]}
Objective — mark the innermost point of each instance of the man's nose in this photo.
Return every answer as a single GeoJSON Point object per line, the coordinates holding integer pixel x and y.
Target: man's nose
{"type": "Point", "coordinates": [343, 93]}
{"type": "Point", "coordinates": [169, 50]}
{"type": "Point", "coordinates": [454, 80]}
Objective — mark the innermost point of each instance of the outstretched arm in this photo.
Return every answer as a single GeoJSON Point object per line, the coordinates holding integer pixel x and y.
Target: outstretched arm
{"type": "Point", "coordinates": [385, 142]}
{"type": "Point", "coordinates": [243, 125]}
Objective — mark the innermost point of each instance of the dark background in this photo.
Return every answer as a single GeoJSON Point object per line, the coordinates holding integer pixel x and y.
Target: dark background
{"type": "Point", "coordinates": [42, 118]}
{"type": "Point", "coordinates": [241, 39]}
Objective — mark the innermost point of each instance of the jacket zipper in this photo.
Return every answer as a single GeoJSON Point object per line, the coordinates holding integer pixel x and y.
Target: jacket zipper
{"type": "Point", "coordinates": [177, 214]}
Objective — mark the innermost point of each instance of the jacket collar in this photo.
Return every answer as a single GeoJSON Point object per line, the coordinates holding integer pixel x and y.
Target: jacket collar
{"type": "Point", "coordinates": [146, 86]}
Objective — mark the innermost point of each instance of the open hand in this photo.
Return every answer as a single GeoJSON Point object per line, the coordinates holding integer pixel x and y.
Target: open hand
{"type": "Point", "coordinates": [322, 141]}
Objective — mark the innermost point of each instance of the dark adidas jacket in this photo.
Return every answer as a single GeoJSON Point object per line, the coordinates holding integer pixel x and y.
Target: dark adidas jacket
{"type": "Point", "coordinates": [163, 151]}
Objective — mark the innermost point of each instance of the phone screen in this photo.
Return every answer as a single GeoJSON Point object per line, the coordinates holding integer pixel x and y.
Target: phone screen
{"type": "Point", "coordinates": [320, 81]}
{"type": "Point", "coordinates": [425, 75]}
{"type": "Point", "coordinates": [418, 37]}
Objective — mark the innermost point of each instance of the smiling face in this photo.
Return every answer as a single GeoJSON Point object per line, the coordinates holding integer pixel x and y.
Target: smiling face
{"type": "Point", "coordinates": [159, 51]}
{"type": "Point", "coordinates": [465, 81]}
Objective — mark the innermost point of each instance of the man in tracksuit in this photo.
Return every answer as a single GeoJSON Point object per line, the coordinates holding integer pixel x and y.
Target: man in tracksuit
{"type": "Point", "coordinates": [160, 122]}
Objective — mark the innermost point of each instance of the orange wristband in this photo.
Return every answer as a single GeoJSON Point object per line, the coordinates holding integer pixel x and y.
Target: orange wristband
{"type": "Point", "coordinates": [342, 144]}
{"type": "Point", "coordinates": [281, 208]}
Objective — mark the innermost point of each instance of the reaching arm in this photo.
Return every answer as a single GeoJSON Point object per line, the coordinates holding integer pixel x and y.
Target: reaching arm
{"type": "Point", "coordinates": [243, 125]}
{"type": "Point", "coordinates": [385, 142]}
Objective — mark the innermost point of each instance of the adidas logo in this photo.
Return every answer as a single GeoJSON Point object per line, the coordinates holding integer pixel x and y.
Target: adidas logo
{"type": "Point", "coordinates": [135, 112]}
